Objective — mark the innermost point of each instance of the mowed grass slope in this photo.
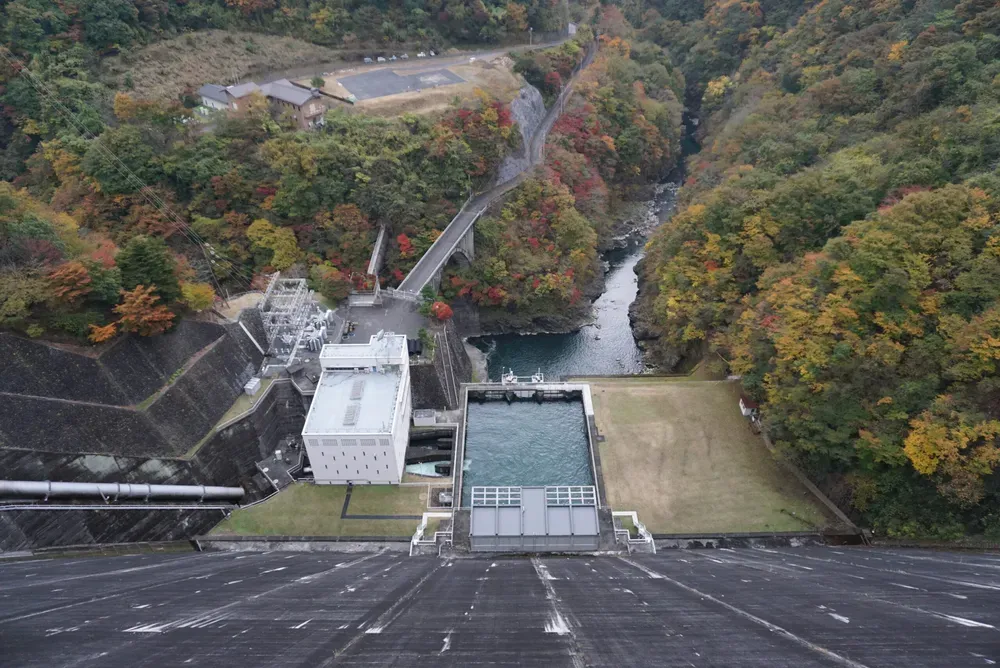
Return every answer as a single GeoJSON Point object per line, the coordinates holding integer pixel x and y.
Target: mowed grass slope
{"type": "Point", "coordinates": [164, 69]}
{"type": "Point", "coordinates": [314, 510]}
{"type": "Point", "coordinates": [683, 457]}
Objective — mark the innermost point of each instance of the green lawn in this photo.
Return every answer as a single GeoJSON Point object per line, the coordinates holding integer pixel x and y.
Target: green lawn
{"type": "Point", "coordinates": [434, 525]}
{"type": "Point", "coordinates": [314, 510]}
{"type": "Point", "coordinates": [629, 525]}
{"type": "Point", "coordinates": [681, 455]}
{"type": "Point", "coordinates": [245, 402]}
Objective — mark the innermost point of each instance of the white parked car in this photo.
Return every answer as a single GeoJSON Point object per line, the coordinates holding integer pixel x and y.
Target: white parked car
{"type": "Point", "coordinates": [404, 57]}
{"type": "Point", "coordinates": [380, 59]}
{"type": "Point", "coordinates": [421, 55]}
{"type": "Point", "coordinates": [433, 54]}
{"type": "Point", "coordinates": [368, 61]}
{"type": "Point", "coordinates": [393, 58]}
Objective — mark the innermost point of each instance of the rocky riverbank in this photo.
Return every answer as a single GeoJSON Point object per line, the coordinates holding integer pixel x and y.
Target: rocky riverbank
{"type": "Point", "coordinates": [637, 221]}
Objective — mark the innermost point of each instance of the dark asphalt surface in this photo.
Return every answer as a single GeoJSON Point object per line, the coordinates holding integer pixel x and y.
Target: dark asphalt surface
{"type": "Point", "coordinates": [380, 83]}
{"type": "Point", "coordinates": [792, 608]}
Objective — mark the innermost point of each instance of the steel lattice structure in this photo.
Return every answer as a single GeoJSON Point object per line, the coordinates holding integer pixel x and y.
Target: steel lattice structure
{"type": "Point", "coordinates": [285, 310]}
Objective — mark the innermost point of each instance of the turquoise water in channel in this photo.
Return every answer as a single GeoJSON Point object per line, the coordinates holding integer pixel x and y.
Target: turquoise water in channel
{"type": "Point", "coordinates": [523, 444]}
{"type": "Point", "coordinates": [605, 347]}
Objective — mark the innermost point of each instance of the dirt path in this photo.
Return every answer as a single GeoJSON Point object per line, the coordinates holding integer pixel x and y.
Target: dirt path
{"type": "Point", "coordinates": [237, 304]}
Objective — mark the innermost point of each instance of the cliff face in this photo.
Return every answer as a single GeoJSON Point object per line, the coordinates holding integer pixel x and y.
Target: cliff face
{"type": "Point", "coordinates": [528, 110]}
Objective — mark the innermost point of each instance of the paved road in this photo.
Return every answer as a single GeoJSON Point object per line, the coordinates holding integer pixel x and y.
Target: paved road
{"type": "Point", "coordinates": [787, 608]}
{"type": "Point", "coordinates": [341, 67]}
{"type": "Point", "coordinates": [441, 250]}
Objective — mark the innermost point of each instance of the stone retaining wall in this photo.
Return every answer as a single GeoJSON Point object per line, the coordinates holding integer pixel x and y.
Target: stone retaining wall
{"type": "Point", "coordinates": [125, 374]}
{"type": "Point", "coordinates": [63, 421]}
{"type": "Point", "coordinates": [228, 458]}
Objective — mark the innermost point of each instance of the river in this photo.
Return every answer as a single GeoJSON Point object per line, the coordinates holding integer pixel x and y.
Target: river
{"type": "Point", "coordinates": [605, 347]}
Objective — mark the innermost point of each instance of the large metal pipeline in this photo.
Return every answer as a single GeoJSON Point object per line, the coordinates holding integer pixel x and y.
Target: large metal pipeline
{"type": "Point", "coordinates": [115, 490]}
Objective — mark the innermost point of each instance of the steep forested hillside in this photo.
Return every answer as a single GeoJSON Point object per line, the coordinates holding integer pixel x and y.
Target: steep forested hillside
{"type": "Point", "coordinates": [621, 129]}
{"type": "Point", "coordinates": [85, 247]}
{"type": "Point", "coordinates": [837, 242]}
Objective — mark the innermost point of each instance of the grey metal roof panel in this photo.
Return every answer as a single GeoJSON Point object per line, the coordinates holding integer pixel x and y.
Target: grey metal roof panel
{"type": "Point", "coordinates": [584, 520]}
{"type": "Point", "coordinates": [509, 521]}
{"type": "Point", "coordinates": [484, 521]}
{"type": "Point", "coordinates": [533, 503]}
{"type": "Point", "coordinates": [559, 522]}
{"type": "Point", "coordinates": [286, 91]}
{"type": "Point", "coordinates": [493, 521]}
{"type": "Point", "coordinates": [214, 92]}
{"type": "Point", "coordinates": [242, 90]}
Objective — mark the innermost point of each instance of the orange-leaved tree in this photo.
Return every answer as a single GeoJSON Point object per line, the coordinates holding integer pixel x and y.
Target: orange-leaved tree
{"type": "Point", "coordinates": [102, 333]}
{"type": "Point", "coordinates": [70, 281]}
{"type": "Point", "coordinates": [141, 313]}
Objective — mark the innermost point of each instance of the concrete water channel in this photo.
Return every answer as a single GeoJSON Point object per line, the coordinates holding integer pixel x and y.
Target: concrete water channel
{"type": "Point", "coordinates": [525, 443]}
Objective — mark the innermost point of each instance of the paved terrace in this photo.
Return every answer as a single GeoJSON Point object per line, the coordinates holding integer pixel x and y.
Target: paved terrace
{"type": "Point", "coordinates": [791, 608]}
{"type": "Point", "coordinates": [439, 252]}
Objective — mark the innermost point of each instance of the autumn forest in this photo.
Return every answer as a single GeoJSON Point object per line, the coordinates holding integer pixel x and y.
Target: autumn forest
{"type": "Point", "coordinates": [837, 242]}
{"type": "Point", "coordinates": [835, 245]}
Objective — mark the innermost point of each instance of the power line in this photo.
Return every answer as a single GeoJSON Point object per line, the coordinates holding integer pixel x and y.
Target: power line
{"type": "Point", "coordinates": [143, 188]}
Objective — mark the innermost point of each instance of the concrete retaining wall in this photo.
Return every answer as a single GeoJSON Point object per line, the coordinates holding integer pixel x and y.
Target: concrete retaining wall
{"type": "Point", "coordinates": [432, 382]}
{"type": "Point", "coordinates": [83, 412]}
{"type": "Point", "coordinates": [126, 373]}
{"type": "Point", "coordinates": [228, 458]}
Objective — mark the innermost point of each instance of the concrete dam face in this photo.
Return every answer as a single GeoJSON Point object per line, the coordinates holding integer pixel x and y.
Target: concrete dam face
{"type": "Point", "coordinates": [796, 607]}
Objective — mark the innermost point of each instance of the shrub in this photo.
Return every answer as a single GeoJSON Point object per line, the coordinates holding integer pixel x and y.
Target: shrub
{"type": "Point", "coordinates": [441, 311]}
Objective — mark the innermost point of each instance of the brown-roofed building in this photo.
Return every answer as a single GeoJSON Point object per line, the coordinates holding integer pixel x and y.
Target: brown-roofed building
{"type": "Point", "coordinates": [748, 407]}
{"type": "Point", "coordinates": [306, 104]}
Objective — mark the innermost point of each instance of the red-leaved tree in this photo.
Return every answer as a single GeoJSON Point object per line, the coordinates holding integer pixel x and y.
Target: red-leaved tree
{"type": "Point", "coordinates": [441, 311]}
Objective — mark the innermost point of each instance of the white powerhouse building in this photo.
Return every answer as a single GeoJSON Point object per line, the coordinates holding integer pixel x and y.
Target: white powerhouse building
{"type": "Point", "coordinates": [358, 424]}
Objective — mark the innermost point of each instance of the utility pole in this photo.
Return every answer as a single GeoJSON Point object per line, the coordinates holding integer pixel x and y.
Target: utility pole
{"type": "Point", "coordinates": [531, 34]}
